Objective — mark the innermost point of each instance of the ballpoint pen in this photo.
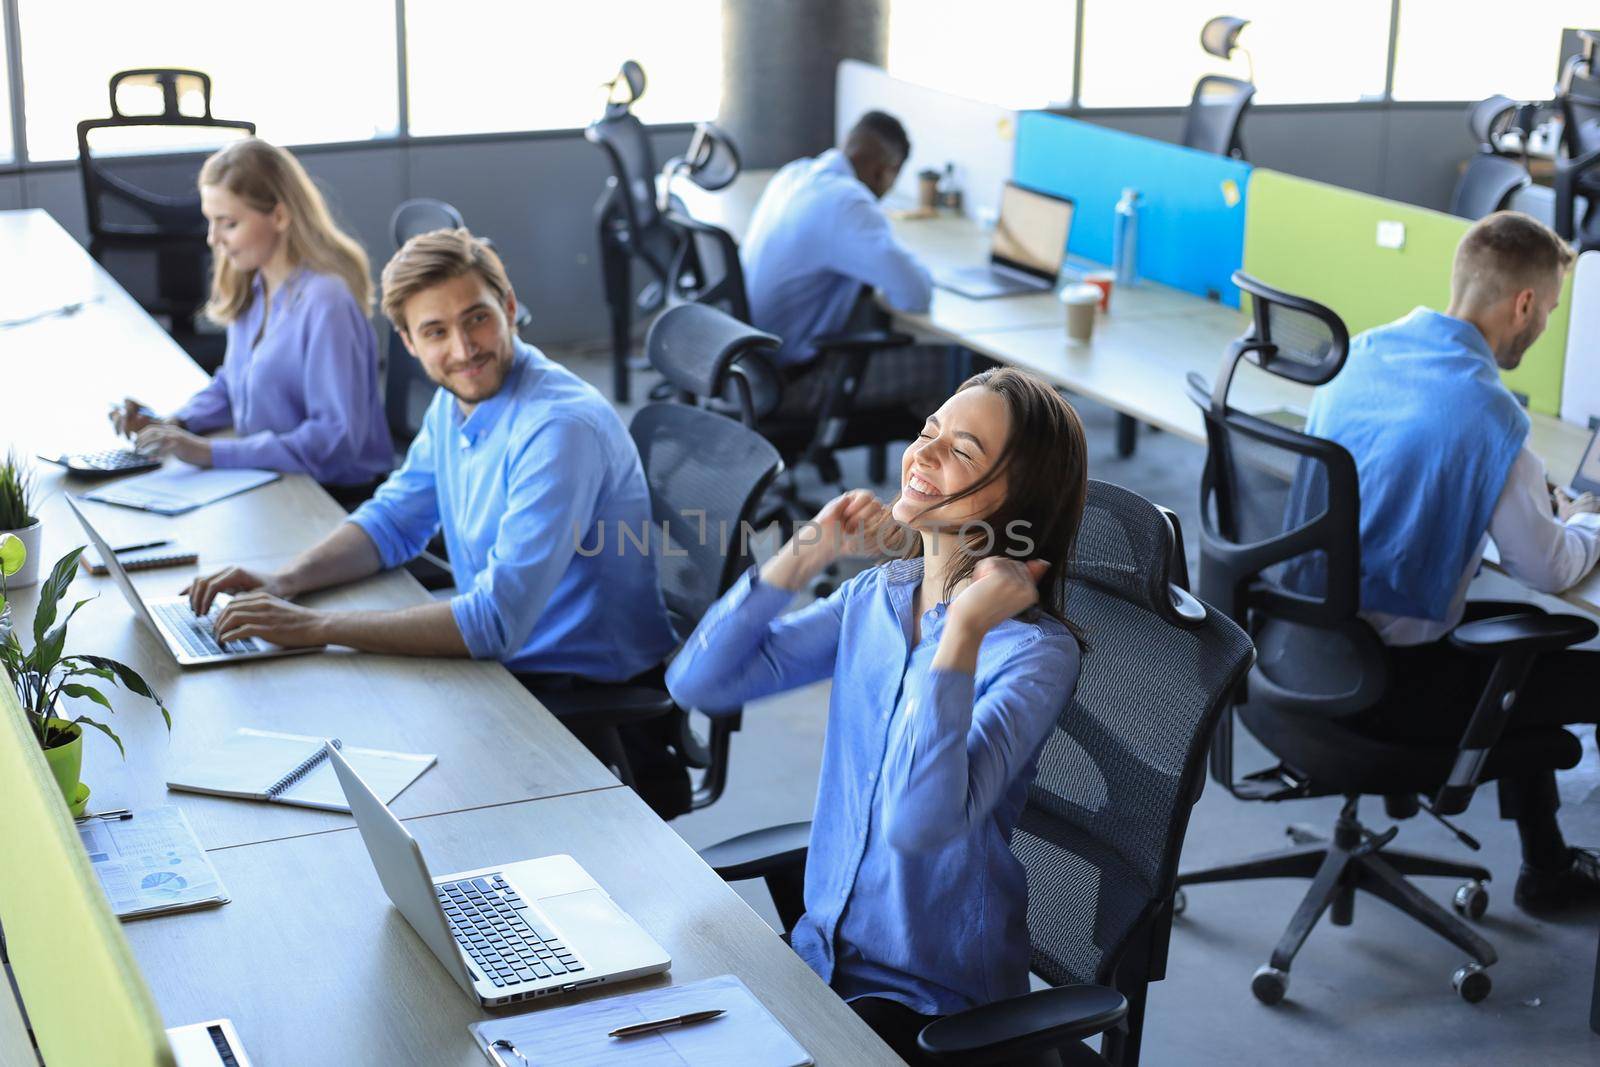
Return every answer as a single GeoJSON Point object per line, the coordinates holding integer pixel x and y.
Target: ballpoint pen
{"type": "Point", "coordinates": [119, 549]}
{"type": "Point", "coordinates": [501, 1043]}
{"type": "Point", "coordinates": [113, 815]}
{"type": "Point", "coordinates": [662, 1024]}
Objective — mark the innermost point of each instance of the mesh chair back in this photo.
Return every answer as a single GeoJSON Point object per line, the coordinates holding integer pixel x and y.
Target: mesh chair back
{"type": "Point", "coordinates": [1487, 185]}
{"type": "Point", "coordinates": [626, 144]}
{"type": "Point", "coordinates": [706, 268]}
{"type": "Point", "coordinates": [706, 475]}
{"type": "Point", "coordinates": [1107, 812]}
{"type": "Point", "coordinates": [710, 356]}
{"type": "Point", "coordinates": [423, 215]}
{"type": "Point", "coordinates": [145, 225]}
{"type": "Point", "coordinates": [1216, 111]}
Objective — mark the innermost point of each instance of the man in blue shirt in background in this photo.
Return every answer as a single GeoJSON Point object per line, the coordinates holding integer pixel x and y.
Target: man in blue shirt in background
{"type": "Point", "coordinates": [532, 477]}
{"type": "Point", "coordinates": [818, 241]}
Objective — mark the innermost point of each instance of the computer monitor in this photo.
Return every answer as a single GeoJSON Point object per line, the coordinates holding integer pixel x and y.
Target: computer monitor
{"type": "Point", "coordinates": [81, 989]}
{"type": "Point", "coordinates": [1031, 233]}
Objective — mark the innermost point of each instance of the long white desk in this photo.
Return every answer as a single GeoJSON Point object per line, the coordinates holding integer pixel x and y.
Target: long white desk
{"type": "Point", "coordinates": [309, 959]}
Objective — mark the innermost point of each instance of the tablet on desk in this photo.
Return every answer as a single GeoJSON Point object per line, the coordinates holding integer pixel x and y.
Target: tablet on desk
{"type": "Point", "coordinates": [1587, 480]}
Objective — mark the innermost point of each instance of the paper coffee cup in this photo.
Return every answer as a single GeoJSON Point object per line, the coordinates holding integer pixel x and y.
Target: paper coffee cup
{"type": "Point", "coordinates": [1102, 280]}
{"type": "Point", "coordinates": [1081, 302]}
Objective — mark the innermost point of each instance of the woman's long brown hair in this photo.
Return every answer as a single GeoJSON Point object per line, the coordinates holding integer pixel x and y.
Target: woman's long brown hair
{"type": "Point", "coordinates": [1045, 466]}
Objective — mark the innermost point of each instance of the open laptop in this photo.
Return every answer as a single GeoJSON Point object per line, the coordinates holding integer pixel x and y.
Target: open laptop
{"type": "Point", "coordinates": [189, 637]}
{"type": "Point", "coordinates": [506, 933]}
{"type": "Point", "coordinates": [1587, 478]}
{"type": "Point", "coordinates": [1028, 249]}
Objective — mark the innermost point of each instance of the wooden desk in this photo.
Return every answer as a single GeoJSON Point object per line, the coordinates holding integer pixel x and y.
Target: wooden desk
{"type": "Point", "coordinates": [335, 975]}
{"type": "Point", "coordinates": [310, 960]}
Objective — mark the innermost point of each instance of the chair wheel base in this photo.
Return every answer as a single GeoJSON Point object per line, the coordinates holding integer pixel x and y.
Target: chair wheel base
{"type": "Point", "coordinates": [1471, 899]}
{"type": "Point", "coordinates": [1269, 984]}
{"type": "Point", "coordinates": [1472, 982]}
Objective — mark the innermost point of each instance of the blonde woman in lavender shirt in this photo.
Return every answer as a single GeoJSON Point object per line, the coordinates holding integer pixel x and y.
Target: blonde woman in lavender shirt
{"type": "Point", "coordinates": [299, 384]}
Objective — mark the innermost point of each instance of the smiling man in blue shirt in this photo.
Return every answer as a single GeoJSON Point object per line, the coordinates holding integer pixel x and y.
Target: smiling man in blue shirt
{"type": "Point", "coordinates": [521, 463]}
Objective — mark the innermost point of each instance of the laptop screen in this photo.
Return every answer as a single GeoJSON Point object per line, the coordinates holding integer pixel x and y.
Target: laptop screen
{"type": "Point", "coordinates": [1032, 232]}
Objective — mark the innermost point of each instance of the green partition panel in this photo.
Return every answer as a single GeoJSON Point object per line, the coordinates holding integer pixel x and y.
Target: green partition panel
{"type": "Point", "coordinates": [1321, 242]}
{"type": "Point", "coordinates": [85, 998]}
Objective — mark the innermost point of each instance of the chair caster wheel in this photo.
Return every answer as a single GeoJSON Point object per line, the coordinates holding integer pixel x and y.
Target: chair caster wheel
{"type": "Point", "coordinates": [1472, 982]}
{"type": "Point", "coordinates": [1270, 984]}
{"type": "Point", "coordinates": [1471, 899]}
{"type": "Point", "coordinates": [1180, 902]}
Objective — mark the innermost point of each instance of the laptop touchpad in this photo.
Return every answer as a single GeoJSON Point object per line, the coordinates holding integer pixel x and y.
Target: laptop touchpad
{"type": "Point", "coordinates": [588, 908]}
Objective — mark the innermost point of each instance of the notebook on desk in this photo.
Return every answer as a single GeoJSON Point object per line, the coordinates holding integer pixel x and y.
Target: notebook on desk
{"type": "Point", "coordinates": [745, 1035]}
{"type": "Point", "coordinates": [178, 488]}
{"type": "Point", "coordinates": [293, 769]}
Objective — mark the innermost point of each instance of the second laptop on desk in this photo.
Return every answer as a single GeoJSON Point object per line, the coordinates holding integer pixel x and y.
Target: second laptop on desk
{"type": "Point", "coordinates": [506, 933]}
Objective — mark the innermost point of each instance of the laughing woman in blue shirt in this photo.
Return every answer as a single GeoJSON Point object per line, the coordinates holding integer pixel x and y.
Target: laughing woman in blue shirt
{"type": "Point", "coordinates": [949, 668]}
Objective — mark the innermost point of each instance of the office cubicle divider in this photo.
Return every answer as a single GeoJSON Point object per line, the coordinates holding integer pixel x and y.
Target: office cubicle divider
{"type": "Point", "coordinates": [977, 137]}
{"type": "Point", "coordinates": [1580, 386]}
{"type": "Point", "coordinates": [1191, 207]}
{"type": "Point", "coordinates": [1323, 242]}
{"type": "Point", "coordinates": [86, 1001]}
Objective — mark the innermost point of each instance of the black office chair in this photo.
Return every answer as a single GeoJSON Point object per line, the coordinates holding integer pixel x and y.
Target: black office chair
{"type": "Point", "coordinates": [1280, 553]}
{"type": "Point", "coordinates": [707, 271]}
{"type": "Point", "coordinates": [145, 225]}
{"type": "Point", "coordinates": [1217, 107]}
{"type": "Point", "coordinates": [1493, 176]}
{"type": "Point", "coordinates": [1577, 177]}
{"type": "Point", "coordinates": [1107, 811]}
{"type": "Point", "coordinates": [706, 475]}
{"type": "Point", "coordinates": [628, 219]}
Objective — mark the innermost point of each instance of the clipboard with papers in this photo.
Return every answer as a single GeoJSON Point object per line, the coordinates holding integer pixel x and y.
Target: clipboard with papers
{"type": "Point", "coordinates": [179, 487]}
{"type": "Point", "coordinates": [579, 1035]}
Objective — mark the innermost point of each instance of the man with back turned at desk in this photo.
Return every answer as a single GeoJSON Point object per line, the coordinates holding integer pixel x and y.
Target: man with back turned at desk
{"type": "Point", "coordinates": [1441, 454]}
{"type": "Point", "coordinates": [519, 461]}
{"type": "Point", "coordinates": [818, 243]}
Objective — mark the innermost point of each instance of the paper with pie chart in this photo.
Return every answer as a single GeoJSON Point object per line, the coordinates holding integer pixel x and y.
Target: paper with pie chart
{"type": "Point", "coordinates": [151, 864]}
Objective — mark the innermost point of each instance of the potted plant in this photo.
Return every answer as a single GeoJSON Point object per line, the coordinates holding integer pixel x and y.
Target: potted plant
{"type": "Point", "coordinates": [45, 674]}
{"type": "Point", "coordinates": [17, 518]}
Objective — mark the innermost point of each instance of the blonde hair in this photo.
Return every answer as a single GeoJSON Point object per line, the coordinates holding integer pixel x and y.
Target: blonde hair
{"type": "Point", "coordinates": [429, 259]}
{"type": "Point", "coordinates": [264, 176]}
{"type": "Point", "coordinates": [1503, 254]}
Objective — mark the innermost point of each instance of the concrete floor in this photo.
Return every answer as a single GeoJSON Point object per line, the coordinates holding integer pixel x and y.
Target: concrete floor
{"type": "Point", "coordinates": [1377, 991]}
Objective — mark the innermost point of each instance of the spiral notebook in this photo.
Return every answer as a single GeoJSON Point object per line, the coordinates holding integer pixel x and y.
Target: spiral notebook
{"type": "Point", "coordinates": [578, 1035]}
{"type": "Point", "coordinates": [294, 769]}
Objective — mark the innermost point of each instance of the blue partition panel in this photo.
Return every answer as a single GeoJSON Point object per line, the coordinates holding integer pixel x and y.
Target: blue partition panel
{"type": "Point", "coordinates": [1191, 208]}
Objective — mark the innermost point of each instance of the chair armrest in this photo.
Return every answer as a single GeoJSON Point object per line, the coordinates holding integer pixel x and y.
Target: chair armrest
{"type": "Point", "coordinates": [1018, 1026]}
{"type": "Point", "coordinates": [864, 341]}
{"type": "Point", "coordinates": [760, 852]}
{"type": "Point", "coordinates": [1523, 633]}
{"type": "Point", "coordinates": [606, 705]}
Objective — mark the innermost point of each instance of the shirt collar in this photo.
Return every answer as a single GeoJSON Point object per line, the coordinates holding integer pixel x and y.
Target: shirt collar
{"type": "Point", "coordinates": [473, 428]}
{"type": "Point", "coordinates": [834, 162]}
{"type": "Point", "coordinates": [1459, 331]}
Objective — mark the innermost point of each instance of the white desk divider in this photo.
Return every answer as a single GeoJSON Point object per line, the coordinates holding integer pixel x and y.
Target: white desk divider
{"type": "Point", "coordinates": [1580, 383]}
{"type": "Point", "coordinates": [978, 138]}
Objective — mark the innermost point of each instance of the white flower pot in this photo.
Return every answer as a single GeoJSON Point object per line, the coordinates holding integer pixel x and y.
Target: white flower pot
{"type": "Point", "coordinates": [33, 544]}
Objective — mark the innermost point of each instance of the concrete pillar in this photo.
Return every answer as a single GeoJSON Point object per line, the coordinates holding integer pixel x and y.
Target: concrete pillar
{"type": "Point", "coordinates": [778, 64]}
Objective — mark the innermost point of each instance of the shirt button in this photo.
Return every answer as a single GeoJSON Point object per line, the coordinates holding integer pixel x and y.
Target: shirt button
{"type": "Point", "coordinates": [872, 776]}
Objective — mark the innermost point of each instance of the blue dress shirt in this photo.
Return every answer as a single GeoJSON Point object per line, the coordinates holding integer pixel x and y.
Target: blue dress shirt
{"type": "Point", "coordinates": [817, 236]}
{"type": "Point", "coordinates": [911, 889]}
{"type": "Point", "coordinates": [305, 396]}
{"type": "Point", "coordinates": [533, 490]}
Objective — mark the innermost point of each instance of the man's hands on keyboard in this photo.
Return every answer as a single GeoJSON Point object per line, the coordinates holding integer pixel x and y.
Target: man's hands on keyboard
{"type": "Point", "coordinates": [260, 614]}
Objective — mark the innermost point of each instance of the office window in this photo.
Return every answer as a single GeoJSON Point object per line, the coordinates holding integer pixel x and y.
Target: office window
{"type": "Point", "coordinates": [1148, 54]}
{"type": "Point", "coordinates": [480, 66]}
{"type": "Point", "coordinates": [305, 71]}
{"type": "Point", "coordinates": [7, 145]}
{"type": "Point", "coordinates": [1470, 49]}
{"type": "Point", "coordinates": [1015, 53]}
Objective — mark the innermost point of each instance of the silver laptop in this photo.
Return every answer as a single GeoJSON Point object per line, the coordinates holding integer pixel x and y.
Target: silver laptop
{"type": "Point", "coordinates": [506, 933]}
{"type": "Point", "coordinates": [189, 637]}
{"type": "Point", "coordinates": [1027, 252]}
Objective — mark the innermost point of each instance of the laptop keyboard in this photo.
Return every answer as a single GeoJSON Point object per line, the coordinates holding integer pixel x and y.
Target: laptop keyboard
{"type": "Point", "coordinates": [506, 940]}
{"type": "Point", "coordinates": [196, 633]}
{"type": "Point", "coordinates": [110, 459]}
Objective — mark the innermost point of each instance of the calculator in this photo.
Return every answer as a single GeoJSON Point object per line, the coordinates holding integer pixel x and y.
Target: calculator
{"type": "Point", "coordinates": [106, 462]}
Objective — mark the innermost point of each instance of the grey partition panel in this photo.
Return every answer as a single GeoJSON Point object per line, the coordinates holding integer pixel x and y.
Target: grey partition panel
{"type": "Point", "coordinates": [10, 192]}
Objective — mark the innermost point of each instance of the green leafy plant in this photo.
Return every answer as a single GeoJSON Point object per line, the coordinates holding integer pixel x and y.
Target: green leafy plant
{"type": "Point", "coordinates": [45, 673]}
{"type": "Point", "coordinates": [16, 494]}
